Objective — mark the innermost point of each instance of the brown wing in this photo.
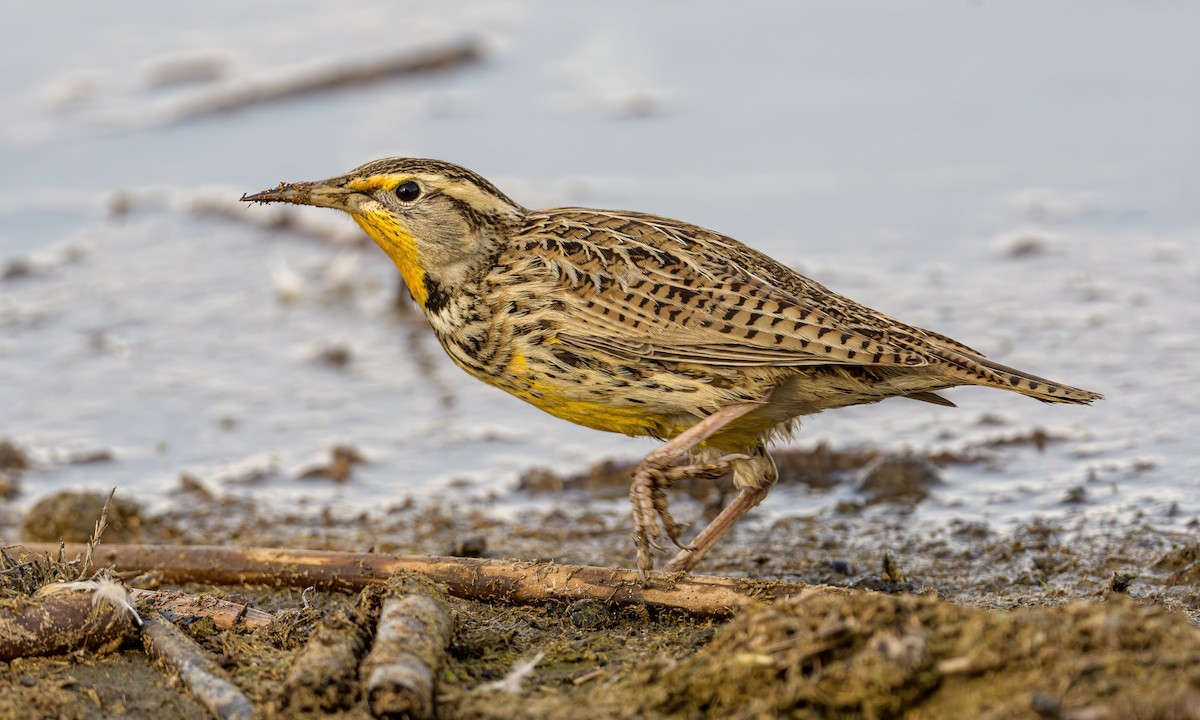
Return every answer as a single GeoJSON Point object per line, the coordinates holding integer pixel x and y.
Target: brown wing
{"type": "Point", "coordinates": [638, 286]}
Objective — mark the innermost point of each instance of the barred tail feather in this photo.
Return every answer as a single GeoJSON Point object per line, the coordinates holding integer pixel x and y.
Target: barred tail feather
{"type": "Point", "coordinates": [980, 370]}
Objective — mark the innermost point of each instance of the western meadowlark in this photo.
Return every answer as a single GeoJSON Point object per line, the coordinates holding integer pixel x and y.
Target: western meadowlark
{"type": "Point", "coordinates": [638, 324]}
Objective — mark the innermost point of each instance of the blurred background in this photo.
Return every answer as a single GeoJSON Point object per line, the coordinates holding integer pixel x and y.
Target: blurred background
{"type": "Point", "coordinates": [1019, 175]}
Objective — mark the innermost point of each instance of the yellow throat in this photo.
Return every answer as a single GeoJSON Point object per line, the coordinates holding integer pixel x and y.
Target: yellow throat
{"type": "Point", "coordinates": [399, 245]}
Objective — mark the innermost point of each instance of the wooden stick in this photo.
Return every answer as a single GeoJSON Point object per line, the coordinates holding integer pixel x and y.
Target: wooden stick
{"type": "Point", "coordinates": [224, 614]}
{"type": "Point", "coordinates": [175, 651]}
{"type": "Point", "coordinates": [257, 92]}
{"type": "Point", "coordinates": [471, 578]}
{"type": "Point", "coordinates": [415, 628]}
{"type": "Point", "coordinates": [324, 676]}
{"type": "Point", "coordinates": [59, 623]}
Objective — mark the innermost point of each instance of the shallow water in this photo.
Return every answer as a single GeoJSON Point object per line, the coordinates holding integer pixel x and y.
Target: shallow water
{"type": "Point", "coordinates": [1020, 176]}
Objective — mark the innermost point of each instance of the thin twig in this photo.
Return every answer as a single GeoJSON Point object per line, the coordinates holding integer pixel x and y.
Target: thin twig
{"type": "Point", "coordinates": [101, 526]}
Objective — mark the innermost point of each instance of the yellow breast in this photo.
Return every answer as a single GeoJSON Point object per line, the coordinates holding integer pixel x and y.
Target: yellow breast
{"type": "Point", "coordinates": [566, 401]}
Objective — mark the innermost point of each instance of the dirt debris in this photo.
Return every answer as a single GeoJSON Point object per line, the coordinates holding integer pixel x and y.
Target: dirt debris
{"type": "Point", "coordinates": [71, 516]}
{"type": "Point", "coordinates": [1052, 620]}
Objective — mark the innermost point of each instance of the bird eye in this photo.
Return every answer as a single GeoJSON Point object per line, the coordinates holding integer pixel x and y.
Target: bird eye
{"type": "Point", "coordinates": [408, 191]}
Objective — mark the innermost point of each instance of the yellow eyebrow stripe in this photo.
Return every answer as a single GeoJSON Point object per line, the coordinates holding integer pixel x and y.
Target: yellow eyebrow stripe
{"type": "Point", "coordinates": [377, 182]}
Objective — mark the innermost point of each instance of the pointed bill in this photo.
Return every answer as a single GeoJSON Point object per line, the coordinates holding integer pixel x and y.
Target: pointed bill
{"type": "Point", "coordinates": [326, 194]}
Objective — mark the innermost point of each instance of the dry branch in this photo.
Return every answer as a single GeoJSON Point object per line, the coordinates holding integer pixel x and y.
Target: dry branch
{"type": "Point", "coordinates": [415, 628]}
{"type": "Point", "coordinates": [223, 613]}
{"type": "Point", "coordinates": [59, 623]}
{"type": "Point", "coordinates": [324, 676]}
{"type": "Point", "coordinates": [176, 652]}
{"type": "Point", "coordinates": [334, 77]}
{"type": "Point", "coordinates": [471, 578]}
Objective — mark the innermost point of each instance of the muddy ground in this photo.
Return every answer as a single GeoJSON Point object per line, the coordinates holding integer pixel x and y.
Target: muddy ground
{"type": "Point", "coordinates": [1055, 620]}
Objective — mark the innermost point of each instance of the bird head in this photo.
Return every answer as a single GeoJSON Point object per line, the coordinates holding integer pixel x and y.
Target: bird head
{"type": "Point", "coordinates": [441, 224]}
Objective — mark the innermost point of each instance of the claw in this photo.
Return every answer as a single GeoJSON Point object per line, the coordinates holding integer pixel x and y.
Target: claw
{"type": "Point", "coordinates": [658, 471]}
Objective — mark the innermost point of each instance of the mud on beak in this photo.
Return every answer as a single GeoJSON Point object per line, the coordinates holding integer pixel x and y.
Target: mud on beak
{"type": "Point", "coordinates": [328, 194]}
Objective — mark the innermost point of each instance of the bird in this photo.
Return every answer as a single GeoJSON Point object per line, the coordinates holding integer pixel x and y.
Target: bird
{"type": "Point", "coordinates": [638, 324]}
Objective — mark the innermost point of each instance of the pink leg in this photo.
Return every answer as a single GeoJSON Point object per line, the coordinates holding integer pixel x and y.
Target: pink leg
{"type": "Point", "coordinates": [656, 472]}
{"type": "Point", "coordinates": [689, 556]}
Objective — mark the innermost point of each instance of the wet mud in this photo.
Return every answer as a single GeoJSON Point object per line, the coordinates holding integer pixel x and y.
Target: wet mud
{"type": "Point", "coordinates": [1052, 620]}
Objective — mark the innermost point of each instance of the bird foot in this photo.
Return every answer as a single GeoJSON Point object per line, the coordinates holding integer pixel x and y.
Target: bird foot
{"type": "Point", "coordinates": [658, 471]}
{"type": "Point", "coordinates": [746, 500]}
{"type": "Point", "coordinates": [648, 493]}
